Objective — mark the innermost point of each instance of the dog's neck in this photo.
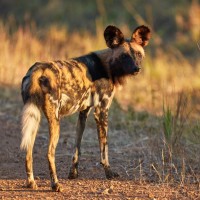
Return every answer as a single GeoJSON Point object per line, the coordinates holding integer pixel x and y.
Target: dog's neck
{"type": "Point", "coordinates": [98, 64]}
{"type": "Point", "coordinates": [104, 55]}
{"type": "Point", "coordinates": [114, 73]}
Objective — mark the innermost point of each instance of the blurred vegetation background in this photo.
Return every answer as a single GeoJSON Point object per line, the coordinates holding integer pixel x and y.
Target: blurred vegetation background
{"type": "Point", "coordinates": [58, 29]}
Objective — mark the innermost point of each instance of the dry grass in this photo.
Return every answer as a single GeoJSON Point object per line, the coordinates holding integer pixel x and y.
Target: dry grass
{"type": "Point", "coordinates": [22, 48]}
{"type": "Point", "coordinates": [164, 74]}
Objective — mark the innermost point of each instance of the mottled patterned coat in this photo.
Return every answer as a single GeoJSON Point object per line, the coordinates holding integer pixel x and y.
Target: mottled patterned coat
{"type": "Point", "coordinates": [61, 88]}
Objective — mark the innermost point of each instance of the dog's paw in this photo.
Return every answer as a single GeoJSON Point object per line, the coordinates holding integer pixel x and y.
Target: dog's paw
{"type": "Point", "coordinates": [73, 174]}
{"type": "Point", "coordinates": [32, 184]}
{"type": "Point", "coordinates": [56, 187]}
{"type": "Point", "coordinates": [110, 174]}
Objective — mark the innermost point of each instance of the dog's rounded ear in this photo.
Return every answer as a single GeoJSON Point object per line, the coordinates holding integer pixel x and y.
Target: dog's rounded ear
{"type": "Point", "coordinates": [113, 37]}
{"type": "Point", "coordinates": [141, 35]}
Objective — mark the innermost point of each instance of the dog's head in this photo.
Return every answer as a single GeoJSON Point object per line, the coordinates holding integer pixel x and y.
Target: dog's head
{"type": "Point", "coordinates": [127, 54]}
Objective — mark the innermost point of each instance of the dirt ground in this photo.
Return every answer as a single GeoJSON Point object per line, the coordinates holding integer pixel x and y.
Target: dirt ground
{"type": "Point", "coordinates": [91, 183]}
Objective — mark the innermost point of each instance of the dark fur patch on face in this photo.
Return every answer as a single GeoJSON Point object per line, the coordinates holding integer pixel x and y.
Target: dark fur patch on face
{"type": "Point", "coordinates": [94, 65]}
{"type": "Point", "coordinates": [121, 67]}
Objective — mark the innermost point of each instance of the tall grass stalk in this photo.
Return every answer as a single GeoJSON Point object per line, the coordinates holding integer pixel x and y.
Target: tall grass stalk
{"type": "Point", "coordinates": [167, 123]}
{"type": "Point", "coordinates": [175, 119]}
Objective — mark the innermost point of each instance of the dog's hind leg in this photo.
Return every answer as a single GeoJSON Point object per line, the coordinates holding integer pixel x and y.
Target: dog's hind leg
{"type": "Point", "coordinates": [30, 123]}
{"type": "Point", "coordinates": [54, 132]}
{"type": "Point", "coordinates": [53, 118]}
{"type": "Point", "coordinates": [29, 168]}
{"type": "Point", "coordinates": [79, 133]}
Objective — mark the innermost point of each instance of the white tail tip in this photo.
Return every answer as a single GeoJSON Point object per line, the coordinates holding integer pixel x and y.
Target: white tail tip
{"type": "Point", "coordinates": [30, 123]}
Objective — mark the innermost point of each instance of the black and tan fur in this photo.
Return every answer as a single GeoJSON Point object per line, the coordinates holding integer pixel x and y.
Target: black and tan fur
{"type": "Point", "coordinates": [61, 88]}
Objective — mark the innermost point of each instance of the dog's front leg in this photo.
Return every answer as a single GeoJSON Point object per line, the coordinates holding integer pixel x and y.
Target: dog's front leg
{"type": "Point", "coordinates": [79, 133]}
{"type": "Point", "coordinates": [101, 117]}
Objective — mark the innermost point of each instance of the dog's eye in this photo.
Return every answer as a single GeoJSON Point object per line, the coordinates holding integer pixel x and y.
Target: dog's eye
{"type": "Point", "coordinates": [139, 54]}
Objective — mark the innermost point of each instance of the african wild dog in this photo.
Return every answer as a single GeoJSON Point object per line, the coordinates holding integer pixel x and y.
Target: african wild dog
{"type": "Point", "coordinates": [62, 88]}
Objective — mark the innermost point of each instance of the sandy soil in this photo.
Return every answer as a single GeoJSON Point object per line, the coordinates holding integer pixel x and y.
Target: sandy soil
{"type": "Point", "coordinates": [91, 183]}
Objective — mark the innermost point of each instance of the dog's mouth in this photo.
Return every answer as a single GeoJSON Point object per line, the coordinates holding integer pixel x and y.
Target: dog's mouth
{"type": "Point", "coordinates": [137, 71]}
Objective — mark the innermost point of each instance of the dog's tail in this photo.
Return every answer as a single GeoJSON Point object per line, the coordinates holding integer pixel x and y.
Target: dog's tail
{"type": "Point", "coordinates": [31, 114]}
{"type": "Point", "coordinates": [30, 122]}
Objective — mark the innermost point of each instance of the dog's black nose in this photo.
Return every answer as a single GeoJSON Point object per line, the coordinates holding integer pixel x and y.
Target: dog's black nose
{"type": "Point", "coordinates": [137, 69]}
